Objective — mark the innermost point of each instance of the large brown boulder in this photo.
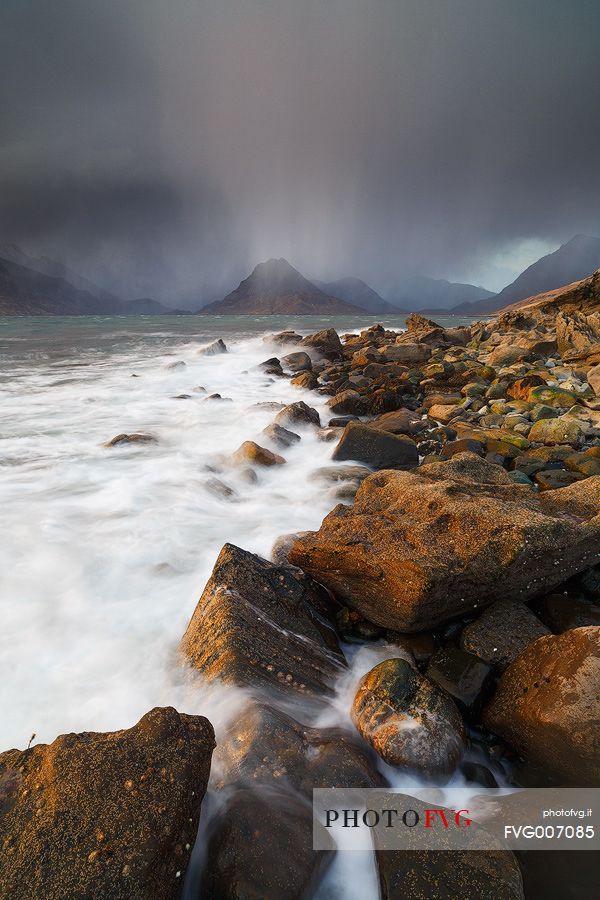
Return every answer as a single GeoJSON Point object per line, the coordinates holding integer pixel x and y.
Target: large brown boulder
{"type": "Point", "coordinates": [325, 343]}
{"type": "Point", "coordinates": [376, 448]}
{"type": "Point", "coordinates": [266, 746]}
{"type": "Point", "coordinates": [416, 548]}
{"type": "Point", "coordinates": [409, 721]}
{"type": "Point", "coordinates": [263, 626]}
{"type": "Point", "coordinates": [547, 705]}
{"type": "Point", "coordinates": [104, 815]}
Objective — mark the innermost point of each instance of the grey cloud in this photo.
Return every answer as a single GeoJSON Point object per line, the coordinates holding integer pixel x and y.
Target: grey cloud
{"type": "Point", "coordinates": [169, 147]}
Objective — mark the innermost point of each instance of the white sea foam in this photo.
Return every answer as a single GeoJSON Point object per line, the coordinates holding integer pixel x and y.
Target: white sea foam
{"type": "Point", "coordinates": [105, 551]}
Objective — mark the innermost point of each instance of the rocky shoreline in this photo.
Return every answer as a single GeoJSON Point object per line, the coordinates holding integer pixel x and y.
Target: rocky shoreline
{"type": "Point", "coordinates": [466, 546]}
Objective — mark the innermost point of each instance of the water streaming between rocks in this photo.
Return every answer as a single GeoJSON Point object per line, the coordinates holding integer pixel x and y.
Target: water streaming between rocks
{"type": "Point", "coordinates": [105, 551]}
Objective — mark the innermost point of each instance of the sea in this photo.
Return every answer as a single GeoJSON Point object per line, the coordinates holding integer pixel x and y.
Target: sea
{"type": "Point", "coordinates": [105, 552]}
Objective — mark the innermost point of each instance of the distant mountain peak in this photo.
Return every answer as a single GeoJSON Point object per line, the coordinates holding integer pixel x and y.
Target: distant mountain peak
{"type": "Point", "coordinates": [275, 287]}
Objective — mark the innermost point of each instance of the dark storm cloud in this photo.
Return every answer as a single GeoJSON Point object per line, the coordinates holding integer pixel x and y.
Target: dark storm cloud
{"type": "Point", "coordinates": [171, 146]}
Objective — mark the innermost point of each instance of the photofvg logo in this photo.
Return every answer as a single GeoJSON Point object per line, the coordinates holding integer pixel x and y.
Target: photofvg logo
{"type": "Point", "coordinates": [470, 818]}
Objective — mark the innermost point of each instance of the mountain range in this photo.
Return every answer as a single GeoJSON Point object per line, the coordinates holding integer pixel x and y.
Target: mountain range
{"type": "Point", "coordinates": [42, 286]}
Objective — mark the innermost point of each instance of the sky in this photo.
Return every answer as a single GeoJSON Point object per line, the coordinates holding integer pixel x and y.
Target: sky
{"type": "Point", "coordinates": [164, 149]}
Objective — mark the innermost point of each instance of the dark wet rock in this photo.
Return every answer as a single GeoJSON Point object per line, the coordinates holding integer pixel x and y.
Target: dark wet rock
{"type": "Point", "coordinates": [341, 421]}
{"type": "Point", "coordinates": [283, 338]}
{"type": "Point", "coordinates": [135, 438]}
{"type": "Point", "coordinates": [298, 414]}
{"type": "Point", "coordinates": [182, 397]}
{"type": "Point", "coordinates": [325, 343]}
{"type": "Point", "coordinates": [447, 874]}
{"type": "Point", "coordinates": [547, 705]}
{"type": "Point", "coordinates": [266, 746]}
{"type": "Point", "coordinates": [176, 364]}
{"type": "Point", "coordinates": [104, 815]}
{"type": "Point", "coordinates": [250, 452]}
{"type": "Point", "coordinates": [262, 847]}
{"type": "Point", "coordinates": [502, 632]}
{"type": "Point", "coordinates": [408, 720]}
{"type": "Point", "coordinates": [271, 363]}
{"type": "Point", "coordinates": [307, 380]}
{"type": "Point", "coordinates": [332, 474]}
{"type": "Point", "coordinates": [280, 436]}
{"type": "Point", "coordinates": [417, 548]}
{"type": "Point", "coordinates": [270, 405]}
{"type": "Point", "coordinates": [213, 349]}
{"type": "Point", "coordinates": [297, 362]}
{"type": "Point", "coordinates": [421, 647]}
{"type": "Point", "coordinates": [263, 626]}
{"type": "Point", "coordinates": [219, 489]}
{"type": "Point", "coordinates": [465, 445]}
{"type": "Point", "coordinates": [465, 677]}
{"type": "Point", "coordinates": [561, 612]}
{"type": "Point", "coordinates": [376, 448]}
{"type": "Point", "coordinates": [218, 397]}
{"type": "Point", "coordinates": [559, 875]}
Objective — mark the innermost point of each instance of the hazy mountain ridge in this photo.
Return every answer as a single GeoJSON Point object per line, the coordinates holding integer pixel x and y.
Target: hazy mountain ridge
{"type": "Point", "coordinates": [420, 293]}
{"type": "Point", "coordinates": [358, 293]}
{"type": "Point", "coordinates": [40, 290]}
{"type": "Point", "coordinates": [276, 288]}
{"type": "Point", "coordinates": [572, 262]}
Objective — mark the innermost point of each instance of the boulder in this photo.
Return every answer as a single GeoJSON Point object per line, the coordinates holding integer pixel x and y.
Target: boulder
{"type": "Point", "coordinates": [266, 746]}
{"type": "Point", "coordinates": [325, 343]}
{"type": "Point", "coordinates": [502, 632]}
{"type": "Point", "coordinates": [443, 413]}
{"type": "Point", "coordinates": [415, 873]}
{"type": "Point", "coordinates": [376, 448]}
{"type": "Point", "coordinates": [263, 626]}
{"type": "Point", "coordinates": [135, 438]}
{"type": "Point", "coordinates": [298, 414]}
{"type": "Point", "coordinates": [297, 362]}
{"type": "Point", "coordinates": [348, 403]}
{"type": "Point", "coordinates": [400, 421]}
{"type": "Point", "coordinates": [213, 349]}
{"type": "Point", "coordinates": [105, 815]}
{"type": "Point", "coordinates": [409, 721]}
{"type": "Point", "coordinates": [462, 675]}
{"type": "Point", "coordinates": [553, 396]}
{"type": "Point", "coordinates": [556, 431]}
{"type": "Point", "coordinates": [547, 705]}
{"type": "Point", "coordinates": [307, 380]}
{"type": "Point", "coordinates": [520, 388]}
{"type": "Point", "coordinates": [249, 452]}
{"type": "Point", "coordinates": [561, 612]}
{"type": "Point", "coordinates": [280, 436]}
{"type": "Point", "coordinates": [417, 548]}
{"type": "Point", "coordinates": [282, 338]}
{"type": "Point", "coordinates": [578, 335]}
{"type": "Point", "coordinates": [261, 846]}
{"type": "Point", "coordinates": [411, 354]}
{"type": "Point", "coordinates": [593, 379]}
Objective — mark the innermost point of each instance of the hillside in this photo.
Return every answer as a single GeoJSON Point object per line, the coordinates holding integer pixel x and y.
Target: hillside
{"type": "Point", "coordinates": [277, 288]}
{"type": "Point", "coordinates": [421, 293]}
{"type": "Point", "coordinates": [572, 262]}
{"type": "Point", "coordinates": [26, 291]}
{"type": "Point", "coordinates": [358, 293]}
